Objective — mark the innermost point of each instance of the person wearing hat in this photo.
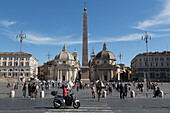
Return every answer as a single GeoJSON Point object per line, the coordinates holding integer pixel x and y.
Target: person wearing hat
{"type": "Point", "coordinates": [65, 93]}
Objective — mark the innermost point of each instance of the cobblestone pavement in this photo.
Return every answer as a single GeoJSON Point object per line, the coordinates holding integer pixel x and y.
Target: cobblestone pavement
{"type": "Point", "coordinates": [111, 104]}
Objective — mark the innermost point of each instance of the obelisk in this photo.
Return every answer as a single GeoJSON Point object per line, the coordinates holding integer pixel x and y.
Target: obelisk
{"type": "Point", "coordinates": [85, 67]}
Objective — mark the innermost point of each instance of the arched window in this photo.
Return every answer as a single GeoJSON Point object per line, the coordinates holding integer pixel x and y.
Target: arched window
{"type": "Point", "coordinates": [9, 74]}
{"type": "Point", "coordinates": [21, 74]}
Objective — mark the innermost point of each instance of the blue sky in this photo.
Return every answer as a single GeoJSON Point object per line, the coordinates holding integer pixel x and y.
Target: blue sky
{"type": "Point", "coordinates": [49, 24]}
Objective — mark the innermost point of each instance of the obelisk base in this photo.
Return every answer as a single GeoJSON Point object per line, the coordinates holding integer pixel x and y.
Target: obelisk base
{"type": "Point", "coordinates": [85, 75]}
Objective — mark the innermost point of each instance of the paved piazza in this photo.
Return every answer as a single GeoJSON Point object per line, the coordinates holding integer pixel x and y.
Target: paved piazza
{"type": "Point", "coordinates": [110, 104]}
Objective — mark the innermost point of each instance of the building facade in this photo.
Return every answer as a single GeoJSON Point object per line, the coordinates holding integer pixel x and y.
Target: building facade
{"type": "Point", "coordinates": [65, 67]}
{"type": "Point", "coordinates": [125, 72]}
{"type": "Point", "coordinates": [152, 66]}
{"type": "Point", "coordinates": [18, 64]}
{"type": "Point", "coordinates": [103, 65]}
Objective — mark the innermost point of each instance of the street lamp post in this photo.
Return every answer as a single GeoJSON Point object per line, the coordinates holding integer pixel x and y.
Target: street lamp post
{"type": "Point", "coordinates": [22, 37]}
{"type": "Point", "coordinates": [146, 37]}
{"type": "Point", "coordinates": [120, 57]}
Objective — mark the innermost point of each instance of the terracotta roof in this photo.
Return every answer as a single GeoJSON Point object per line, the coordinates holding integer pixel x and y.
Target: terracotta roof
{"type": "Point", "coordinates": [14, 53]}
{"type": "Point", "coordinates": [153, 53]}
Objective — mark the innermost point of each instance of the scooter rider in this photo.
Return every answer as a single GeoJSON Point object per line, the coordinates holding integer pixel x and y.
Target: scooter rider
{"type": "Point", "coordinates": [65, 93]}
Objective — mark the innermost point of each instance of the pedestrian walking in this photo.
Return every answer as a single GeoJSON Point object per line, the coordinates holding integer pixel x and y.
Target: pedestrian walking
{"type": "Point", "coordinates": [42, 87]}
{"type": "Point", "coordinates": [29, 89]}
{"type": "Point", "coordinates": [110, 89]}
{"type": "Point", "coordinates": [99, 91]}
{"type": "Point", "coordinates": [24, 89]}
{"type": "Point", "coordinates": [78, 87]}
{"type": "Point", "coordinates": [122, 90]}
{"type": "Point", "coordinates": [33, 91]}
{"type": "Point", "coordinates": [93, 91]}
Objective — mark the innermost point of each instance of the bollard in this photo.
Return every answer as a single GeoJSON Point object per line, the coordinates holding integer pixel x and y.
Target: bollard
{"type": "Point", "coordinates": [42, 94]}
{"type": "Point", "coordinates": [161, 93]}
{"type": "Point", "coordinates": [104, 94]}
{"type": "Point", "coordinates": [12, 94]}
{"type": "Point", "coordinates": [132, 94]}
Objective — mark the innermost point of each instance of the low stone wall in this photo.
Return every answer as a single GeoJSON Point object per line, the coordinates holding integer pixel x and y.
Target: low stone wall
{"type": "Point", "coordinates": [8, 80]}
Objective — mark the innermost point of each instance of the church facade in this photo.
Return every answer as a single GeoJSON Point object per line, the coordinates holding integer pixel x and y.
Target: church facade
{"type": "Point", "coordinates": [103, 65]}
{"type": "Point", "coordinates": [64, 67]}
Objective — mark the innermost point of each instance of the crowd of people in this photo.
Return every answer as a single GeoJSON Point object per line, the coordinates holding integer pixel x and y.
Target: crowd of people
{"type": "Point", "coordinates": [122, 88]}
{"type": "Point", "coordinates": [108, 88]}
{"type": "Point", "coordinates": [32, 88]}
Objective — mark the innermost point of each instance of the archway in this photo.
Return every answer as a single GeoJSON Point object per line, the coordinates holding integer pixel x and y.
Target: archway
{"type": "Point", "coordinates": [105, 77]}
{"type": "Point", "coordinates": [63, 77]}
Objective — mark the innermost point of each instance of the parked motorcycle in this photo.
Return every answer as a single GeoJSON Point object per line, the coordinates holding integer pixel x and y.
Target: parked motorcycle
{"type": "Point", "coordinates": [60, 101]}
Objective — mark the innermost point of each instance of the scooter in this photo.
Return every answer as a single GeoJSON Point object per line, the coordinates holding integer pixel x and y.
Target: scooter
{"type": "Point", "coordinates": [60, 101]}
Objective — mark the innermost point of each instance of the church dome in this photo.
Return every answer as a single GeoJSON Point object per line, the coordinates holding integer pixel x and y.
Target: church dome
{"type": "Point", "coordinates": [64, 55]}
{"type": "Point", "coordinates": [105, 54]}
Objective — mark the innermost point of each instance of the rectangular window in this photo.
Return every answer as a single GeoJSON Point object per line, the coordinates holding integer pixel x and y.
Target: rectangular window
{"type": "Point", "coordinates": [146, 63]}
{"type": "Point", "coordinates": [26, 74]}
{"type": "Point", "coordinates": [10, 58]}
{"type": "Point", "coordinates": [10, 64]}
{"type": "Point", "coordinates": [145, 59]}
{"type": "Point", "coordinates": [27, 63]}
{"type": "Point", "coordinates": [21, 64]}
{"type": "Point", "coordinates": [5, 58]}
{"type": "Point", "coordinates": [156, 64]}
{"type": "Point", "coordinates": [16, 64]}
{"type": "Point", "coordinates": [157, 74]}
{"type": "Point", "coordinates": [150, 59]}
{"type": "Point", "coordinates": [150, 64]}
{"type": "Point", "coordinates": [27, 58]}
{"type": "Point", "coordinates": [161, 59]}
{"type": "Point", "coordinates": [168, 64]}
{"type": "Point", "coordinates": [167, 58]}
{"type": "Point", "coordinates": [140, 59]}
{"type": "Point", "coordinates": [162, 75]}
{"type": "Point", "coordinates": [156, 59]}
{"type": "Point", "coordinates": [15, 74]}
{"type": "Point", "coordinates": [4, 63]}
{"type": "Point", "coordinates": [16, 58]}
{"type": "Point", "coordinates": [140, 64]}
{"type": "Point", "coordinates": [22, 58]}
{"type": "Point", "coordinates": [162, 64]}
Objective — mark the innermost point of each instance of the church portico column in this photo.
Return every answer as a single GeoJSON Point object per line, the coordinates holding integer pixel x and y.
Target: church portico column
{"type": "Point", "coordinates": [66, 75]}
{"type": "Point", "coordinates": [61, 76]}
{"type": "Point", "coordinates": [53, 73]}
{"type": "Point", "coordinates": [70, 75]}
{"type": "Point", "coordinates": [111, 74]}
{"type": "Point", "coordinates": [102, 75]}
{"type": "Point", "coordinates": [108, 76]}
{"type": "Point", "coordinates": [58, 75]}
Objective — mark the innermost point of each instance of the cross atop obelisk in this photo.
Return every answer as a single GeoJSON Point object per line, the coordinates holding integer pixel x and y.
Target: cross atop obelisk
{"type": "Point", "coordinates": [85, 67]}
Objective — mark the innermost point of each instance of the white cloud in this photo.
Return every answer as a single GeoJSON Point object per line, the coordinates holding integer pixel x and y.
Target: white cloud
{"type": "Point", "coordinates": [59, 40]}
{"type": "Point", "coordinates": [159, 22]}
{"type": "Point", "coordinates": [40, 40]}
{"type": "Point", "coordinates": [7, 23]}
